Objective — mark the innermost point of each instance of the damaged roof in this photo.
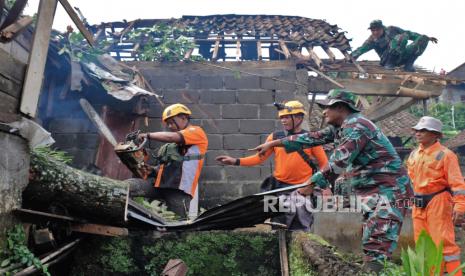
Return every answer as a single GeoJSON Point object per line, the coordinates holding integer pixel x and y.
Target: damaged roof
{"type": "Point", "coordinates": [457, 141]}
{"type": "Point", "coordinates": [293, 30]}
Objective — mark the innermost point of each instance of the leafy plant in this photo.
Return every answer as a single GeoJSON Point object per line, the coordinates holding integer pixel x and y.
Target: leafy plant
{"type": "Point", "coordinates": [451, 115]}
{"type": "Point", "coordinates": [43, 153]}
{"type": "Point", "coordinates": [163, 42]}
{"type": "Point", "coordinates": [426, 259]}
{"type": "Point", "coordinates": [18, 252]}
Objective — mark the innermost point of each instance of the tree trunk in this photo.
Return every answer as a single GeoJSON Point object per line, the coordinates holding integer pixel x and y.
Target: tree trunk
{"type": "Point", "coordinates": [82, 194]}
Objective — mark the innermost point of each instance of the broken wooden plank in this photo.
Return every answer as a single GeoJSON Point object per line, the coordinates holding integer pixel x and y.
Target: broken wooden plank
{"type": "Point", "coordinates": [314, 57]}
{"type": "Point", "coordinates": [175, 267]}
{"type": "Point", "coordinates": [216, 48]}
{"type": "Point", "coordinates": [388, 107]}
{"type": "Point", "coordinates": [37, 57]}
{"type": "Point", "coordinates": [77, 21]}
{"type": "Point", "coordinates": [9, 32]}
{"type": "Point", "coordinates": [330, 53]}
{"type": "Point", "coordinates": [284, 48]}
{"type": "Point", "coordinates": [325, 76]}
{"type": "Point", "coordinates": [98, 229]}
{"type": "Point", "coordinates": [238, 48]}
{"type": "Point", "coordinates": [188, 54]}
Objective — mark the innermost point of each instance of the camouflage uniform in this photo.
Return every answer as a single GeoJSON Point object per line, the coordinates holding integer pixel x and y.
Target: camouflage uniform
{"type": "Point", "coordinates": [392, 47]}
{"type": "Point", "coordinates": [372, 169]}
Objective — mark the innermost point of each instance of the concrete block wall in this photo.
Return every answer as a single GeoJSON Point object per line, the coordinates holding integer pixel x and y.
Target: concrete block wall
{"type": "Point", "coordinates": [236, 112]}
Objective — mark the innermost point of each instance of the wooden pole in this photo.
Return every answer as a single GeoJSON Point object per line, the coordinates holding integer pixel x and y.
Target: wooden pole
{"type": "Point", "coordinates": [283, 252]}
{"type": "Point", "coordinates": [37, 58]}
{"type": "Point", "coordinates": [74, 16]}
{"type": "Point", "coordinates": [325, 76]}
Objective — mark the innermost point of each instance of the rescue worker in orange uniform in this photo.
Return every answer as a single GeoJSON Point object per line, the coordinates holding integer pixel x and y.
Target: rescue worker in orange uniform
{"type": "Point", "coordinates": [183, 157]}
{"type": "Point", "coordinates": [289, 168]}
{"type": "Point", "coordinates": [439, 190]}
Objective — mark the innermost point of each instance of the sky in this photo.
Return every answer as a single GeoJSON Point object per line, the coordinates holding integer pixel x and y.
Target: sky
{"type": "Point", "coordinates": [443, 20]}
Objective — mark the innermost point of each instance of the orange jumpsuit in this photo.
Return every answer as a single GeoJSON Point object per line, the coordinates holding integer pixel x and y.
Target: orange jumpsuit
{"type": "Point", "coordinates": [431, 170]}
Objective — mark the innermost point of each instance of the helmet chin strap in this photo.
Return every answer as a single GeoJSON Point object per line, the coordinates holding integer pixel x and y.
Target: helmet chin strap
{"type": "Point", "coordinates": [177, 126]}
{"type": "Point", "coordinates": [294, 126]}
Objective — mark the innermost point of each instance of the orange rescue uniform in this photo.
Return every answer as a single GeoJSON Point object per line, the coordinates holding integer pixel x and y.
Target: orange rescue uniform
{"type": "Point", "coordinates": [196, 141]}
{"type": "Point", "coordinates": [290, 168]}
{"type": "Point", "coordinates": [431, 170]}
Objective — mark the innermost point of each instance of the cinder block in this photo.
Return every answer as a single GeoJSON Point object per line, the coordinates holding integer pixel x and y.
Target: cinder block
{"type": "Point", "coordinates": [243, 111]}
{"type": "Point", "coordinates": [268, 83]}
{"type": "Point", "coordinates": [268, 112]}
{"type": "Point", "coordinates": [255, 97]}
{"type": "Point", "coordinates": [215, 141]}
{"type": "Point", "coordinates": [250, 188]}
{"type": "Point", "coordinates": [234, 173]}
{"type": "Point", "coordinates": [211, 155]}
{"type": "Point", "coordinates": [217, 97]}
{"type": "Point", "coordinates": [243, 82]}
{"type": "Point", "coordinates": [205, 111]}
{"type": "Point", "coordinates": [205, 82]}
{"type": "Point", "coordinates": [155, 124]}
{"type": "Point", "coordinates": [181, 96]}
{"type": "Point", "coordinates": [167, 82]}
{"type": "Point", "coordinates": [240, 141]}
{"type": "Point", "coordinates": [257, 126]}
{"type": "Point", "coordinates": [212, 173]}
{"type": "Point", "coordinates": [221, 126]}
{"type": "Point", "coordinates": [212, 194]}
{"type": "Point", "coordinates": [284, 96]}
{"type": "Point", "coordinates": [155, 108]}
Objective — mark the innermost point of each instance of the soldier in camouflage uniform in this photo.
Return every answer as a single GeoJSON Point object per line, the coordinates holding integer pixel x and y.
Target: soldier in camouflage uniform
{"type": "Point", "coordinates": [391, 45]}
{"type": "Point", "coordinates": [373, 170]}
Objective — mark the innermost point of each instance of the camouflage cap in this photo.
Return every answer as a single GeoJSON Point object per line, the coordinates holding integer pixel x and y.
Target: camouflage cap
{"type": "Point", "coordinates": [340, 96]}
{"type": "Point", "coordinates": [376, 24]}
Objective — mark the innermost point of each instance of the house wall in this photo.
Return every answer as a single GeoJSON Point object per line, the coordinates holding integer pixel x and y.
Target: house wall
{"type": "Point", "coordinates": [236, 112]}
{"type": "Point", "coordinates": [14, 159]}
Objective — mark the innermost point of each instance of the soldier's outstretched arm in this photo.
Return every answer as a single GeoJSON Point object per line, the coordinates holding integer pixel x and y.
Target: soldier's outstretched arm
{"type": "Point", "coordinates": [310, 139]}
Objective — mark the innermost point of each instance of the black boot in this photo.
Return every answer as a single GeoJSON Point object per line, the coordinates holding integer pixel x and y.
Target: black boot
{"type": "Point", "coordinates": [408, 64]}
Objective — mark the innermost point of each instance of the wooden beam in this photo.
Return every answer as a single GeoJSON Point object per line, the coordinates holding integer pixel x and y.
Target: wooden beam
{"type": "Point", "coordinates": [12, 30]}
{"type": "Point", "coordinates": [330, 53]}
{"type": "Point", "coordinates": [77, 21]}
{"type": "Point", "coordinates": [387, 108]}
{"type": "Point", "coordinates": [314, 57]}
{"type": "Point", "coordinates": [216, 48]}
{"type": "Point", "coordinates": [283, 252]}
{"type": "Point", "coordinates": [359, 68]}
{"type": "Point", "coordinates": [325, 76]}
{"type": "Point", "coordinates": [188, 54]}
{"type": "Point", "coordinates": [259, 50]}
{"type": "Point", "coordinates": [37, 57]}
{"type": "Point", "coordinates": [98, 229]}
{"type": "Point", "coordinates": [238, 48]}
{"type": "Point", "coordinates": [284, 48]}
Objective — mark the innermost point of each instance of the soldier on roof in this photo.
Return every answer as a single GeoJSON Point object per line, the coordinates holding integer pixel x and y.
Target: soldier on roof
{"type": "Point", "coordinates": [392, 45]}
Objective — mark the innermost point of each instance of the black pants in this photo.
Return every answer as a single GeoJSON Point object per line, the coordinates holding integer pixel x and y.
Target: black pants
{"type": "Point", "coordinates": [176, 200]}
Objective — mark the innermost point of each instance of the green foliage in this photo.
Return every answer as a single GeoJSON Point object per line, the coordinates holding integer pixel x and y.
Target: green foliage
{"type": "Point", "coordinates": [116, 256]}
{"type": "Point", "coordinates": [18, 252]}
{"type": "Point", "coordinates": [216, 253]}
{"type": "Point", "coordinates": [443, 111]}
{"type": "Point", "coordinates": [426, 259]}
{"type": "Point", "coordinates": [44, 153]}
{"type": "Point", "coordinates": [298, 265]}
{"type": "Point", "coordinates": [162, 42]}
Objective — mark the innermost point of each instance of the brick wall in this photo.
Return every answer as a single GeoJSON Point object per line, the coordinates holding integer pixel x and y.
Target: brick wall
{"type": "Point", "coordinates": [235, 111]}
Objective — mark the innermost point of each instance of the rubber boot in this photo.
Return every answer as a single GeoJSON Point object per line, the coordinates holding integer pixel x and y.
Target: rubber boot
{"type": "Point", "coordinates": [408, 65]}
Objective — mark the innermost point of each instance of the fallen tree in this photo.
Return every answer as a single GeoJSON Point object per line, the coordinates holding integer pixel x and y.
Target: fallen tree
{"type": "Point", "coordinates": [54, 183]}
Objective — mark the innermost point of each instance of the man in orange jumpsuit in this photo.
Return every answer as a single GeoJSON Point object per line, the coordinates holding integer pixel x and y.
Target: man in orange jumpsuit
{"type": "Point", "coordinates": [290, 168]}
{"type": "Point", "coordinates": [439, 190]}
